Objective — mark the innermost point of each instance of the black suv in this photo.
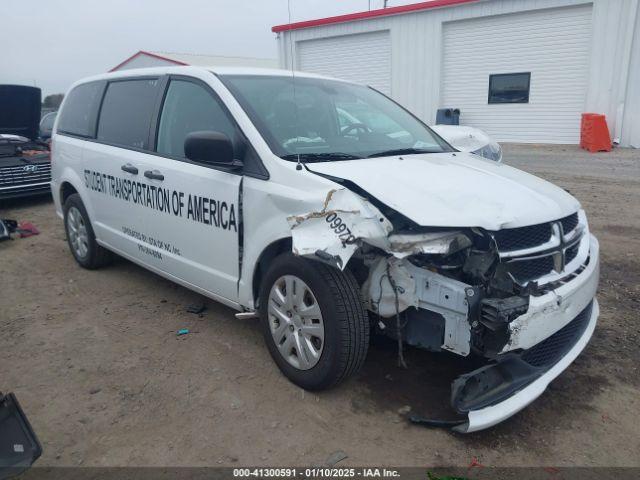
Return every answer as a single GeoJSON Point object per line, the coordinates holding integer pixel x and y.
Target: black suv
{"type": "Point", "coordinates": [25, 165]}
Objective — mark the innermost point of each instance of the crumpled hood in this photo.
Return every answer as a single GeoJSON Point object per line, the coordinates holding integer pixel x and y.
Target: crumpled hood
{"type": "Point", "coordinates": [455, 190]}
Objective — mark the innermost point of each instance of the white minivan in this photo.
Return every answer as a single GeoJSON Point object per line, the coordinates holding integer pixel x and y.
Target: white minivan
{"type": "Point", "coordinates": [330, 212]}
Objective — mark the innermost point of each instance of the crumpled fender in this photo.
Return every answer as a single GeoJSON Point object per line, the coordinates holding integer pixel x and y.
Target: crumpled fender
{"type": "Point", "coordinates": [334, 232]}
{"type": "Point", "coordinates": [346, 220]}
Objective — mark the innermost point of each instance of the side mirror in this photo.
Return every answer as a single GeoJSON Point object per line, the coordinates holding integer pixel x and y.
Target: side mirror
{"type": "Point", "coordinates": [210, 148]}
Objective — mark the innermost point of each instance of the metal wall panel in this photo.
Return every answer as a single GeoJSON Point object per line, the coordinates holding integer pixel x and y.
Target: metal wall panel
{"type": "Point", "coordinates": [551, 44]}
{"type": "Point", "coordinates": [363, 58]}
{"type": "Point", "coordinates": [611, 47]}
{"type": "Point", "coordinates": [631, 117]}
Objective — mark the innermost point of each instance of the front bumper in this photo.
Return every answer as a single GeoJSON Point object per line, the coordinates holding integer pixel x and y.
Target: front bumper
{"type": "Point", "coordinates": [550, 312]}
{"type": "Point", "coordinates": [25, 190]}
{"type": "Point", "coordinates": [494, 414]}
{"type": "Point", "coordinates": [513, 383]}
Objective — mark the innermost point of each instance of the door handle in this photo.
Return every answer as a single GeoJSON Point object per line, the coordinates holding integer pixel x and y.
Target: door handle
{"type": "Point", "coordinates": [129, 169]}
{"type": "Point", "coordinates": [154, 175]}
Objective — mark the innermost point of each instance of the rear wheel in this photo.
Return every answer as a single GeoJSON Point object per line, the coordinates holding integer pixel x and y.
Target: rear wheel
{"type": "Point", "coordinates": [313, 321]}
{"type": "Point", "coordinates": [80, 235]}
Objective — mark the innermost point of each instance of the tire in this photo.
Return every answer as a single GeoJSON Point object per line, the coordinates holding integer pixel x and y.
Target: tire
{"type": "Point", "coordinates": [90, 255]}
{"type": "Point", "coordinates": [346, 324]}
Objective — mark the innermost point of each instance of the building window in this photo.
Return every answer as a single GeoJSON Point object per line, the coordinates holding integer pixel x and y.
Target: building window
{"type": "Point", "coordinates": [509, 87]}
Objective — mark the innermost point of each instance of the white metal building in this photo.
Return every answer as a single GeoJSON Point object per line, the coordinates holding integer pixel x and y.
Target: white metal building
{"type": "Point", "coordinates": [144, 59]}
{"type": "Point", "coordinates": [522, 70]}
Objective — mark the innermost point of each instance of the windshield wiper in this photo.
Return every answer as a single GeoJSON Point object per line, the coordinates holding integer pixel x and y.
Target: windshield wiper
{"type": "Point", "coordinates": [320, 157]}
{"type": "Point", "coordinates": [402, 151]}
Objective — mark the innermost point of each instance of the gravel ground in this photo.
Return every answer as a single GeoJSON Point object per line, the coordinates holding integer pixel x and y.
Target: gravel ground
{"type": "Point", "coordinates": [94, 358]}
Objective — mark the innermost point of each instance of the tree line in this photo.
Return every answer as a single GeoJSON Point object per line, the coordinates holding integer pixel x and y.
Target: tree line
{"type": "Point", "coordinates": [53, 101]}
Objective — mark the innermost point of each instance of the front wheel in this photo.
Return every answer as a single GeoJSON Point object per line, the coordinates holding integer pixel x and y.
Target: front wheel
{"type": "Point", "coordinates": [313, 321]}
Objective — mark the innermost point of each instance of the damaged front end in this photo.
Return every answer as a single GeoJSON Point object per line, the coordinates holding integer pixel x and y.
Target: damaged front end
{"type": "Point", "coordinates": [521, 298]}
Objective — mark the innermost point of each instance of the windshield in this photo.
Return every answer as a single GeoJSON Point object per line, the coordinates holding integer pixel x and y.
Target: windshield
{"type": "Point", "coordinates": [328, 120]}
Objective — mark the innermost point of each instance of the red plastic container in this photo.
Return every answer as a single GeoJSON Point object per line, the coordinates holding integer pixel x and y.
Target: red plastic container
{"type": "Point", "coordinates": [594, 133]}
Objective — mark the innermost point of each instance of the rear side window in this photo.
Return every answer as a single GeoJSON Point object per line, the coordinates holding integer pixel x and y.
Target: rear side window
{"type": "Point", "coordinates": [126, 113]}
{"type": "Point", "coordinates": [189, 107]}
{"type": "Point", "coordinates": [78, 116]}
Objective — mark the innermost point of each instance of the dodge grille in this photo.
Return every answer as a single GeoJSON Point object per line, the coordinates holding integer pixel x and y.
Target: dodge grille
{"type": "Point", "coordinates": [542, 252]}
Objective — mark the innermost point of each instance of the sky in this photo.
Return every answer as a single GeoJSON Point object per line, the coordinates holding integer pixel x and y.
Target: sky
{"type": "Point", "coordinates": [52, 43]}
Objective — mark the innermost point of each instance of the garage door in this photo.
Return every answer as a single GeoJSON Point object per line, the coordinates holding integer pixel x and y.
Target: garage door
{"type": "Point", "coordinates": [552, 45]}
{"type": "Point", "coordinates": [363, 58]}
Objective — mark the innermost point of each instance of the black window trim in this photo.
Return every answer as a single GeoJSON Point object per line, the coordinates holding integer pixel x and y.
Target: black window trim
{"type": "Point", "coordinates": [493, 75]}
{"type": "Point", "coordinates": [163, 85]}
{"type": "Point", "coordinates": [155, 115]}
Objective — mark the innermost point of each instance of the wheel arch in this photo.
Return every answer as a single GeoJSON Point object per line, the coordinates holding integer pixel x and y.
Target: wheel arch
{"type": "Point", "coordinates": [68, 182]}
{"type": "Point", "coordinates": [270, 252]}
{"type": "Point", "coordinates": [283, 245]}
{"type": "Point", "coordinates": [65, 191]}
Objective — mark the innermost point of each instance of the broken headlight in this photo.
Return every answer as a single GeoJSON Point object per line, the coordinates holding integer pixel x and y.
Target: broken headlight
{"type": "Point", "coordinates": [444, 252]}
{"type": "Point", "coordinates": [491, 151]}
{"type": "Point", "coordinates": [433, 243]}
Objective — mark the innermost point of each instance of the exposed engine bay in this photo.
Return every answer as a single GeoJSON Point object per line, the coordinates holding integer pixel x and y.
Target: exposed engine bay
{"type": "Point", "coordinates": [459, 290]}
{"type": "Point", "coordinates": [18, 146]}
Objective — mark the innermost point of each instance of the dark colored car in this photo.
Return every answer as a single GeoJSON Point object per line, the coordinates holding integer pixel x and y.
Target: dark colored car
{"type": "Point", "coordinates": [25, 166]}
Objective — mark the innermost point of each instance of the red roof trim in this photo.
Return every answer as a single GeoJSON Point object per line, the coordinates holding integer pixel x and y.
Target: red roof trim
{"type": "Point", "coordinates": [369, 14]}
{"type": "Point", "coordinates": [144, 52]}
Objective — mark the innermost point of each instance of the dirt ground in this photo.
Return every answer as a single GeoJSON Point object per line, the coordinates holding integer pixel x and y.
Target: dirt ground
{"type": "Point", "coordinates": [94, 359]}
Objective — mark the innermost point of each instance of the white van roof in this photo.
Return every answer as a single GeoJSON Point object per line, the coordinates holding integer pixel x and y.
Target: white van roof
{"type": "Point", "coordinates": [186, 70]}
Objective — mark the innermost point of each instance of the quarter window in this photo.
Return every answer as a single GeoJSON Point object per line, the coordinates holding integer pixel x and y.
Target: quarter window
{"type": "Point", "coordinates": [509, 88]}
{"type": "Point", "coordinates": [189, 107]}
{"type": "Point", "coordinates": [126, 113]}
{"type": "Point", "coordinates": [78, 116]}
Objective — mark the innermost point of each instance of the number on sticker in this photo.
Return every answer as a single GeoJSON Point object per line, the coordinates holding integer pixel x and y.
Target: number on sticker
{"type": "Point", "coordinates": [340, 228]}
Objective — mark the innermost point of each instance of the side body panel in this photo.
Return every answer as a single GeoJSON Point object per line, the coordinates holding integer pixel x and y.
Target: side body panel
{"type": "Point", "coordinates": [194, 253]}
{"type": "Point", "coordinates": [266, 206]}
{"type": "Point", "coordinates": [192, 229]}
{"type": "Point", "coordinates": [103, 178]}
{"type": "Point", "coordinates": [67, 167]}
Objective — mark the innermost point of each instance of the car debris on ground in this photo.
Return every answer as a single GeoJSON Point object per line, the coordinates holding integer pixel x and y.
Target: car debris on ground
{"type": "Point", "coordinates": [23, 229]}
